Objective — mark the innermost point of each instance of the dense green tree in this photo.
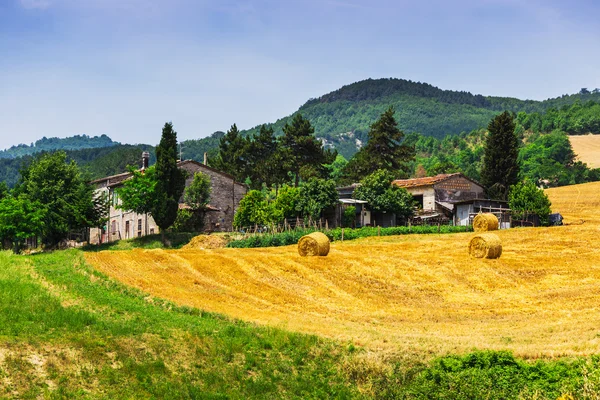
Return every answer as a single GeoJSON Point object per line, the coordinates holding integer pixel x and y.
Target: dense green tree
{"type": "Point", "coordinates": [20, 219]}
{"type": "Point", "coordinates": [382, 195]}
{"type": "Point", "coordinates": [61, 189]}
{"type": "Point", "coordinates": [303, 151]}
{"type": "Point", "coordinates": [233, 153]}
{"type": "Point", "coordinates": [525, 198]}
{"type": "Point", "coordinates": [256, 210]}
{"type": "Point", "coordinates": [316, 196]}
{"type": "Point", "coordinates": [336, 168]}
{"type": "Point", "coordinates": [384, 150]}
{"type": "Point", "coordinates": [138, 193]}
{"type": "Point", "coordinates": [265, 159]}
{"type": "Point", "coordinates": [170, 180]}
{"type": "Point", "coordinates": [197, 194]}
{"type": "Point", "coordinates": [500, 161]}
{"type": "Point", "coordinates": [287, 201]}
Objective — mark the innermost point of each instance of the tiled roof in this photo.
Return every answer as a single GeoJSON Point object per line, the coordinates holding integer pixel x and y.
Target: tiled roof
{"type": "Point", "coordinates": [426, 181]}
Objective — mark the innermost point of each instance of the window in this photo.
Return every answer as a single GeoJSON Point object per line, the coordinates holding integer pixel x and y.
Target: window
{"type": "Point", "coordinates": [126, 229]}
{"type": "Point", "coordinates": [139, 233]}
{"type": "Point", "coordinates": [113, 227]}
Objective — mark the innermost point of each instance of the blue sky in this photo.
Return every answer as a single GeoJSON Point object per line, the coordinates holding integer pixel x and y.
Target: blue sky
{"type": "Point", "coordinates": [124, 67]}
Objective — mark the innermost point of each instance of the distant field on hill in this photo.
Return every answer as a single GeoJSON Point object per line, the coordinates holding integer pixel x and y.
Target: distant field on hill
{"type": "Point", "coordinates": [416, 294]}
{"type": "Point", "coordinates": [587, 148]}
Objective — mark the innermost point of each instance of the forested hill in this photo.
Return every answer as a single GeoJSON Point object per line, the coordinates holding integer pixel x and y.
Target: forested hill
{"type": "Point", "coordinates": [342, 118]}
{"type": "Point", "coordinates": [76, 142]}
{"type": "Point", "coordinates": [95, 162]}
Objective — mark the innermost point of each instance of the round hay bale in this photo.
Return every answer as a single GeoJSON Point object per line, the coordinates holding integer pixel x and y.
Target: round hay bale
{"type": "Point", "coordinates": [485, 245]}
{"type": "Point", "coordinates": [485, 222]}
{"type": "Point", "coordinates": [315, 244]}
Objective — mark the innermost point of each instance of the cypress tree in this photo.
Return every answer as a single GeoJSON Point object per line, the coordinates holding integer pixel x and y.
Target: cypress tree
{"type": "Point", "coordinates": [170, 180]}
{"type": "Point", "coordinates": [500, 168]}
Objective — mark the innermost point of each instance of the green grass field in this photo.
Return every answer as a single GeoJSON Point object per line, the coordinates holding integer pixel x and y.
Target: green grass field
{"type": "Point", "coordinates": [67, 331]}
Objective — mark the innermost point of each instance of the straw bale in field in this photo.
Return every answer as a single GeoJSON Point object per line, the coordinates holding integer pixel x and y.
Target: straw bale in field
{"type": "Point", "coordinates": [206, 242]}
{"type": "Point", "coordinates": [485, 245]}
{"type": "Point", "coordinates": [314, 244]}
{"type": "Point", "coordinates": [485, 222]}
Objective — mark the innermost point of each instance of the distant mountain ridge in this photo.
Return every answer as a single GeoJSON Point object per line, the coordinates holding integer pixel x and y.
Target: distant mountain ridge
{"type": "Point", "coordinates": [341, 120]}
{"type": "Point", "coordinates": [76, 142]}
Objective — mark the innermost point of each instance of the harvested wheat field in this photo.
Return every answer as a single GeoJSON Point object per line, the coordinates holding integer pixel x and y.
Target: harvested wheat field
{"type": "Point", "coordinates": [418, 293]}
{"type": "Point", "coordinates": [587, 148]}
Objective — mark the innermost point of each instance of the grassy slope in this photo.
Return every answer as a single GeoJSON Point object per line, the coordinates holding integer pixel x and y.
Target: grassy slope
{"type": "Point", "coordinates": [67, 331]}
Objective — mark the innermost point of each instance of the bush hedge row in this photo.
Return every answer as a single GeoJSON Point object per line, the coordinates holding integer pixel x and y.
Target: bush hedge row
{"type": "Point", "coordinates": [292, 237]}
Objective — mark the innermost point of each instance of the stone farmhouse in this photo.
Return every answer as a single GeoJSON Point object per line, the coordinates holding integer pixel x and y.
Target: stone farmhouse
{"type": "Point", "coordinates": [225, 197]}
{"type": "Point", "coordinates": [438, 194]}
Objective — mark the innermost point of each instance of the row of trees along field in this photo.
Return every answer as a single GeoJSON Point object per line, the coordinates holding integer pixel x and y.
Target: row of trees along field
{"type": "Point", "coordinates": [508, 163]}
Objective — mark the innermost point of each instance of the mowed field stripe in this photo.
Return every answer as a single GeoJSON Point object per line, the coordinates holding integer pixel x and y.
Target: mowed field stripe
{"type": "Point", "coordinates": [414, 293]}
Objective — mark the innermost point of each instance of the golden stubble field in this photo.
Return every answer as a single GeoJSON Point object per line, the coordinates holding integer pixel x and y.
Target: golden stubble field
{"type": "Point", "coordinates": [419, 294]}
{"type": "Point", "coordinates": [587, 148]}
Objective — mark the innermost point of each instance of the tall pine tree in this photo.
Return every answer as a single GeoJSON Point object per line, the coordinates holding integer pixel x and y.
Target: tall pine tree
{"type": "Point", "coordinates": [303, 152]}
{"type": "Point", "coordinates": [233, 153]}
{"type": "Point", "coordinates": [500, 168]}
{"type": "Point", "coordinates": [384, 150]}
{"type": "Point", "coordinates": [170, 180]}
{"type": "Point", "coordinates": [265, 159]}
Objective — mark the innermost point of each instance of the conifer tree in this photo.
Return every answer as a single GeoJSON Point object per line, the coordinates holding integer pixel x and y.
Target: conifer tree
{"type": "Point", "coordinates": [303, 152]}
{"type": "Point", "coordinates": [383, 151]}
{"type": "Point", "coordinates": [233, 153]}
{"type": "Point", "coordinates": [500, 168]}
{"type": "Point", "coordinates": [170, 180]}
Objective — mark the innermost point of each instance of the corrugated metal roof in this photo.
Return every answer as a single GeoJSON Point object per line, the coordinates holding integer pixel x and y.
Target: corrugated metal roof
{"type": "Point", "coordinates": [426, 181]}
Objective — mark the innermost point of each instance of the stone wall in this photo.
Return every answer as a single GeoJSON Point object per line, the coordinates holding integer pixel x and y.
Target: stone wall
{"type": "Point", "coordinates": [225, 195]}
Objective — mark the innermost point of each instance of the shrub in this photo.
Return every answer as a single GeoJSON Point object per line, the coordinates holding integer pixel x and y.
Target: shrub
{"type": "Point", "coordinates": [292, 237]}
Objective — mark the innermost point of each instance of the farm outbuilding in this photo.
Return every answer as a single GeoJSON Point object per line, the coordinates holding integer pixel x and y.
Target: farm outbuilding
{"type": "Point", "coordinates": [438, 194]}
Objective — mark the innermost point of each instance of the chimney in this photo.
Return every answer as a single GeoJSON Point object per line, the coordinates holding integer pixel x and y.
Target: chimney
{"type": "Point", "coordinates": [205, 158]}
{"type": "Point", "coordinates": [145, 159]}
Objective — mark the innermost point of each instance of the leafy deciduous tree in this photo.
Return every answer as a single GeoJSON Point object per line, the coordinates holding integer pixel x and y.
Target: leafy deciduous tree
{"type": "Point", "coordinates": [138, 193]}
{"type": "Point", "coordinates": [59, 187]}
{"type": "Point", "coordinates": [197, 194]}
{"type": "Point", "coordinates": [316, 195]}
{"type": "Point", "coordinates": [381, 195]}
{"type": "Point", "coordinates": [20, 219]}
{"type": "Point", "coordinates": [525, 197]}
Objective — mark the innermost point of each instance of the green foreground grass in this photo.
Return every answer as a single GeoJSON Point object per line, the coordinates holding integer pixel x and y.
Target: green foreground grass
{"type": "Point", "coordinates": [67, 331]}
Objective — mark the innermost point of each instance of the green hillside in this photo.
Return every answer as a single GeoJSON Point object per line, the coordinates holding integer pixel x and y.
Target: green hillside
{"type": "Point", "coordinates": [343, 117]}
